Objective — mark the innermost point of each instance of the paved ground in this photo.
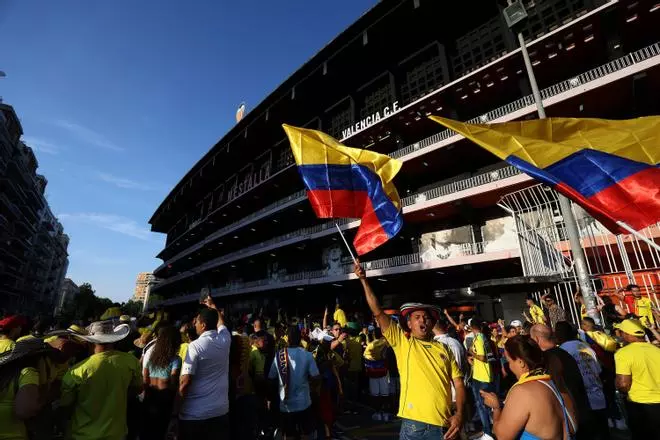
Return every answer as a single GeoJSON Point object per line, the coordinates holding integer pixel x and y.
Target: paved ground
{"type": "Point", "coordinates": [362, 427]}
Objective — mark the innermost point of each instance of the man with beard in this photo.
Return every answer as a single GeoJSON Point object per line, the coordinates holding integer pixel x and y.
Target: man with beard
{"type": "Point", "coordinates": [427, 367]}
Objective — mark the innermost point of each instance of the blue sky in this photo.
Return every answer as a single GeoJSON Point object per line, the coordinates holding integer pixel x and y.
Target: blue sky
{"type": "Point", "coordinates": [119, 99]}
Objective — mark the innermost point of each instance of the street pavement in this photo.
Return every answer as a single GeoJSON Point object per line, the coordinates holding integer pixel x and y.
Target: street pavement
{"type": "Point", "coordinates": [360, 426]}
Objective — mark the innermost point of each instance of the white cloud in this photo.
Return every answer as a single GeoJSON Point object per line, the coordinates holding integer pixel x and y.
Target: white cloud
{"type": "Point", "coordinates": [121, 182]}
{"type": "Point", "coordinates": [95, 259]}
{"type": "Point", "coordinates": [41, 145]}
{"type": "Point", "coordinates": [116, 223]}
{"type": "Point", "coordinates": [88, 135]}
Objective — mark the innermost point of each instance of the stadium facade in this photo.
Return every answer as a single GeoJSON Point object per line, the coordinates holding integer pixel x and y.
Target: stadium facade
{"type": "Point", "coordinates": [477, 232]}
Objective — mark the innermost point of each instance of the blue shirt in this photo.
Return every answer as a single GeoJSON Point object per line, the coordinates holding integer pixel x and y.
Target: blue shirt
{"type": "Point", "coordinates": [301, 367]}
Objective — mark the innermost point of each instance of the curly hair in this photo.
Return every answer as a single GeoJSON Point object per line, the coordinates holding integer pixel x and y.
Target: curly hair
{"type": "Point", "coordinates": [165, 347]}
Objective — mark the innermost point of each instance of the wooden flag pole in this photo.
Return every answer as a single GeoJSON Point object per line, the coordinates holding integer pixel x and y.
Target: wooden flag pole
{"type": "Point", "coordinates": [350, 251]}
{"type": "Point", "coordinates": [646, 240]}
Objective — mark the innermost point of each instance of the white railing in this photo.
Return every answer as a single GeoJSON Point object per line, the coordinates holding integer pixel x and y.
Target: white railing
{"type": "Point", "coordinates": [461, 185]}
{"type": "Point", "coordinates": [304, 277]}
{"type": "Point", "coordinates": [527, 101]}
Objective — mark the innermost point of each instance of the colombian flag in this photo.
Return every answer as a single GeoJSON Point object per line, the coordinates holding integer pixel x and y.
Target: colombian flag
{"type": "Point", "coordinates": [608, 167]}
{"type": "Point", "coordinates": [345, 182]}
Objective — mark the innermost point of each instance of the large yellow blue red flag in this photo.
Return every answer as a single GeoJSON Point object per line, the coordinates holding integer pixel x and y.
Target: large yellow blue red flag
{"type": "Point", "coordinates": [609, 167]}
{"type": "Point", "coordinates": [344, 182]}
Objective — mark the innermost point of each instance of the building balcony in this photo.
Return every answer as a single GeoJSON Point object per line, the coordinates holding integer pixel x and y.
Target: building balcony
{"type": "Point", "coordinates": [563, 91]}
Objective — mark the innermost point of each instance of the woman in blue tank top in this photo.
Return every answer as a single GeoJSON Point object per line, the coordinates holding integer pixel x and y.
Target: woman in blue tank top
{"type": "Point", "coordinates": [535, 409]}
{"type": "Point", "coordinates": [160, 370]}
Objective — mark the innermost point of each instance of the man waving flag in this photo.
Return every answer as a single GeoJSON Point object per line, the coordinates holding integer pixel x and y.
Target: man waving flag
{"type": "Point", "coordinates": [608, 167]}
{"type": "Point", "coordinates": [345, 182]}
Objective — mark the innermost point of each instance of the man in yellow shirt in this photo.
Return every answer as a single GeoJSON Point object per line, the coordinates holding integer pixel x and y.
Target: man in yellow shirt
{"type": "Point", "coordinates": [339, 316]}
{"type": "Point", "coordinates": [643, 307]}
{"type": "Point", "coordinates": [536, 315]}
{"type": "Point", "coordinates": [427, 367]}
{"type": "Point", "coordinates": [96, 390]}
{"type": "Point", "coordinates": [482, 378]}
{"type": "Point", "coordinates": [638, 375]}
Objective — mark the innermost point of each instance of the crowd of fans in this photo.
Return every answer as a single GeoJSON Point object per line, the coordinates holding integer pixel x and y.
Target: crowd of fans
{"type": "Point", "coordinates": [249, 377]}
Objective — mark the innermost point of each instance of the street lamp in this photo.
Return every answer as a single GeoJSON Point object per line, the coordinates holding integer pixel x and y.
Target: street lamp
{"type": "Point", "coordinates": [515, 15]}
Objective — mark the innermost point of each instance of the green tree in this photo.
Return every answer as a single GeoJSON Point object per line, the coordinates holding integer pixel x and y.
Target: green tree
{"type": "Point", "coordinates": [85, 306]}
{"type": "Point", "coordinates": [132, 308]}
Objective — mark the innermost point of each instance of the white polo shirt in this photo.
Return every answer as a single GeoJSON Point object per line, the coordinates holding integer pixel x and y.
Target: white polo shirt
{"type": "Point", "coordinates": [207, 361]}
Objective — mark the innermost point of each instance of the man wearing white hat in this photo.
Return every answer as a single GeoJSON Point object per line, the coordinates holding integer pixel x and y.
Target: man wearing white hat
{"type": "Point", "coordinates": [97, 389]}
{"type": "Point", "coordinates": [427, 367]}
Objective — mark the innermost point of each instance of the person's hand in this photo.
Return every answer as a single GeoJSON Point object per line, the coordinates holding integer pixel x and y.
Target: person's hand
{"type": "Point", "coordinates": [455, 424]}
{"type": "Point", "coordinates": [208, 302]}
{"type": "Point", "coordinates": [460, 317]}
{"type": "Point", "coordinates": [501, 323]}
{"type": "Point", "coordinates": [490, 399]}
{"type": "Point", "coordinates": [326, 311]}
{"type": "Point", "coordinates": [359, 271]}
{"type": "Point", "coordinates": [445, 311]}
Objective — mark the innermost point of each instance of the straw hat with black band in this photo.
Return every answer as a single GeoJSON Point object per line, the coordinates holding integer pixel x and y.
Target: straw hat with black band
{"type": "Point", "coordinates": [11, 362]}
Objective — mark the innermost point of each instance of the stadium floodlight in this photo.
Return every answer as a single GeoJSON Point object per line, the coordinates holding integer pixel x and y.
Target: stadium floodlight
{"type": "Point", "coordinates": [515, 13]}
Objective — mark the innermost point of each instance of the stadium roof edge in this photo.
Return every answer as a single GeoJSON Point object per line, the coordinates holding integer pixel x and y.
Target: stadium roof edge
{"type": "Point", "coordinates": [351, 32]}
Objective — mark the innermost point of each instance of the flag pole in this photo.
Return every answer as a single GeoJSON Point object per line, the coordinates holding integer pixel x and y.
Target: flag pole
{"type": "Point", "coordinates": [646, 240]}
{"type": "Point", "coordinates": [350, 251]}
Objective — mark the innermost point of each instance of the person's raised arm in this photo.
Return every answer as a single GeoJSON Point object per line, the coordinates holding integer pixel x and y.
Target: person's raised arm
{"type": "Point", "coordinates": [450, 319]}
{"type": "Point", "coordinates": [208, 302]}
{"type": "Point", "coordinates": [383, 320]}
{"type": "Point", "coordinates": [325, 318]}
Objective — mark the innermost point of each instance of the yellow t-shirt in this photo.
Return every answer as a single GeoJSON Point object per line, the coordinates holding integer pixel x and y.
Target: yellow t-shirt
{"type": "Point", "coordinates": [644, 308]}
{"type": "Point", "coordinates": [605, 341]}
{"type": "Point", "coordinates": [6, 344]}
{"type": "Point", "coordinates": [12, 428]}
{"type": "Point", "coordinates": [354, 348]}
{"type": "Point", "coordinates": [257, 363]}
{"type": "Point", "coordinates": [375, 350]}
{"type": "Point", "coordinates": [480, 369]}
{"type": "Point", "coordinates": [97, 389]}
{"type": "Point", "coordinates": [537, 315]}
{"type": "Point", "coordinates": [340, 317]}
{"type": "Point", "coordinates": [427, 370]}
{"type": "Point", "coordinates": [183, 350]}
{"type": "Point", "coordinates": [640, 360]}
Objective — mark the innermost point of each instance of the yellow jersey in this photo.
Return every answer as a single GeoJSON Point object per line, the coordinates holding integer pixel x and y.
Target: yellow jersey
{"type": "Point", "coordinates": [97, 389]}
{"type": "Point", "coordinates": [11, 427]}
{"type": "Point", "coordinates": [537, 315]}
{"type": "Point", "coordinates": [427, 370]}
{"type": "Point", "coordinates": [644, 307]}
{"type": "Point", "coordinates": [375, 350]}
{"type": "Point", "coordinates": [640, 360]}
{"type": "Point", "coordinates": [6, 344]}
{"type": "Point", "coordinates": [480, 369]}
{"type": "Point", "coordinates": [340, 317]}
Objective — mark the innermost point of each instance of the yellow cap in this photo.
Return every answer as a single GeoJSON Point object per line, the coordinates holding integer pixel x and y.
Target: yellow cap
{"type": "Point", "coordinates": [632, 327]}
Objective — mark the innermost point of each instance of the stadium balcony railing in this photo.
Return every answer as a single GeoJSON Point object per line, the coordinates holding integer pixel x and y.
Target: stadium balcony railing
{"type": "Point", "coordinates": [511, 111]}
{"type": "Point", "coordinates": [322, 276]}
{"type": "Point", "coordinates": [327, 228]}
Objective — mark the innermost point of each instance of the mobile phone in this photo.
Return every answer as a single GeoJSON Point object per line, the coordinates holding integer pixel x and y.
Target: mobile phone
{"type": "Point", "coordinates": [204, 295]}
